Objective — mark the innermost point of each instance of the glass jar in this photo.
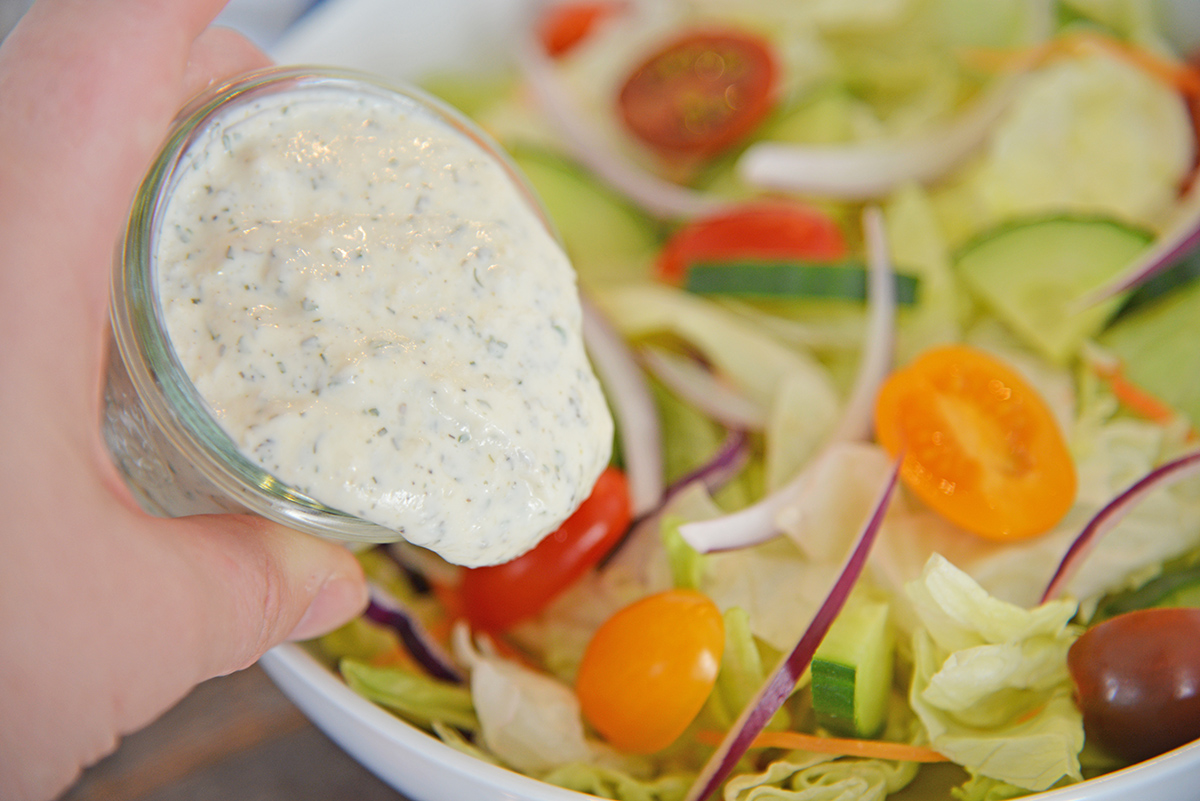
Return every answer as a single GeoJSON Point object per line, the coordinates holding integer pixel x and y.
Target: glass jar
{"type": "Point", "coordinates": [174, 455]}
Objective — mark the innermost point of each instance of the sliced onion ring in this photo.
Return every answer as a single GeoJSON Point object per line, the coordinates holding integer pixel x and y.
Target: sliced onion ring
{"type": "Point", "coordinates": [872, 170]}
{"type": "Point", "coordinates": [1114, 511]}
{"type": "Point", "coordinates": [782, 682]}
{"type": "Point", "coordinates": [756, 523]}
{"type": "Point", "coordinates": [718, 471]}
{"type": "Point", "coordinates": [633, 406]}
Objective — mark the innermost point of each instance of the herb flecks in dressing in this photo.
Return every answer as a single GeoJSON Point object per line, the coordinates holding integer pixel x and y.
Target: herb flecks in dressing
{"type": "Point", "coordinates": [377, 318]}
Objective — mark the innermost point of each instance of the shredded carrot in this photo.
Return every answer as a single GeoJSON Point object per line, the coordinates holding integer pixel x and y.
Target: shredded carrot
{"type": "Point", "coordinates": [1137, 400]}
{"type": "Point", "coordinates": [1183, 77]}
{"type": "Point", "coordinates": [870, 749]}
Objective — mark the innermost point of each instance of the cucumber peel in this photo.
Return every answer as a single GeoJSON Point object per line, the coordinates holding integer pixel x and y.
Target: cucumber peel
{"type": "Point", "coordinates": [852, 671]}
{"type": "Point", "coordinates": [1173, 588]}
{"type": "Point", "coordinates": [1032, 273]}
{"type": "Point", "coordinates": [792, 279]}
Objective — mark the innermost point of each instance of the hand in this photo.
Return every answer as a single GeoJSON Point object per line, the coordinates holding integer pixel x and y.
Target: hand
{"type": "Point", "coordinates": [107, 615]}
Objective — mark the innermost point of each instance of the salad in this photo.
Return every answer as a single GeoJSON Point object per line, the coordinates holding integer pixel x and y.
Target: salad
{"type": "Point", "coordinates": [893, 304]}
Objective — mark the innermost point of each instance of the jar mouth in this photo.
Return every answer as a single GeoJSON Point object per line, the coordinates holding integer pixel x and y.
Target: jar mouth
{"type": "Point", "coordinates": [141, 335]}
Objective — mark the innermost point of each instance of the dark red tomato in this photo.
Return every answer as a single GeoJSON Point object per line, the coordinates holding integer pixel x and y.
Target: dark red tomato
{"type": "Point", "coordinates": [700, 94]}
{"type": "Point", "coordinates": [763, 231]}
{"type": "Point", "coordinates": [564, 25]}
{"type": "Point", "coordinates": [496, 597]}
{"type": "Point", "coordinates": [1137, 681]}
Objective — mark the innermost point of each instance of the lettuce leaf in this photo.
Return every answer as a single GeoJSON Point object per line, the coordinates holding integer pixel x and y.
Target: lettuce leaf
{"type": "Point", "coordinates": [821, 778]}
{"type": "Point", "coordinates": [528, 719]}
{"type": "Point", "coordinates": [608, 782]}
{"type": "Point", "coordinates": [755, 362]}
{"type": "Point", "coordinates": [1073, 115]}
{"type": "Point", "coordinates": [414, 696]}
{"type": "Point", "coordinates": [990, 681]}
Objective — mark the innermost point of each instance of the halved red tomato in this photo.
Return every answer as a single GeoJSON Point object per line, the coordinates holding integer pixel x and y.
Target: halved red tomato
{"type": "Point", "coordinates": [701, 93]}
{"type": "Point", "coordinates": [761, 231]}
{"type": "Point", "coordinates": [496, 597]}
{"type": "Point", "coordinates": [564, 25]}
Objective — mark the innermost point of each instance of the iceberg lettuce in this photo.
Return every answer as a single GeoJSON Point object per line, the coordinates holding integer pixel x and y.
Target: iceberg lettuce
{"type": "Point", "coordinates": [414, 696]}
{"type": "Point", "coordinates": [990, 681]}
{"type": "Point", "coordinates": [820, 778]}
{"type": "Point", "coordinates": [529, 720]}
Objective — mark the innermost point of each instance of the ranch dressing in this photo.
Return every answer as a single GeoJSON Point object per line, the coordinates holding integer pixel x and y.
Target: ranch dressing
{"type": "Point", "coordinates": [377, 316]}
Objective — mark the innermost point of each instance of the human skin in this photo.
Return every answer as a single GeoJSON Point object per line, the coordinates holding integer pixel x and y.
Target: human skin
{"type": "Point", "coordinates": [109, 616]}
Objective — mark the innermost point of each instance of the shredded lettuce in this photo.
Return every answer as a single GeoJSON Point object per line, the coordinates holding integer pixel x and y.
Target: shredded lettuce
{"type": "Point", "coordinates": [529, 720]}
{"type": "Point", "coordinates": [687, 564]}
{"type": "Point", "coordinates": [819, 778]}
{"type": "Point", "coordinates": [742, 674]}
{"type": "Point", "coordinates": [606, 782]}
{"type": "Point", "coordinates": [755, 362]}
{"type": "Point", "coordinates": [990, 681]}
{"type": "Point", "coordinates": [844, 483]}
{"type": "Point", "coordinates": [414, 696]}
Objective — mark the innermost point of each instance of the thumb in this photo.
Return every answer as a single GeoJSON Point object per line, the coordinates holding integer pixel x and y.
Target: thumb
{"type": "Point", "coordinates": [255, 584]}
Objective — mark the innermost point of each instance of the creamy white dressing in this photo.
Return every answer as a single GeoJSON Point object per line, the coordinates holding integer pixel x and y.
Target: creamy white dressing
{"type": "Point", "coordinates": [377, 317]}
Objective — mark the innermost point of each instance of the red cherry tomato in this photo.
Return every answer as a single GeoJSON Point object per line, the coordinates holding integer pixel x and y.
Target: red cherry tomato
{"type": "Point", "coordinates": [762, 231]}
{"type": "Point", "coordinates": [564, 25]}
{"type": "Point", "coordinates": [649, 669]}
{"type": "Point", "coordinates": [1137, 681]}
{"type": "Point", "coordinates": [700, 94]}
{"type": "Point", "coordinates": [496, 597]}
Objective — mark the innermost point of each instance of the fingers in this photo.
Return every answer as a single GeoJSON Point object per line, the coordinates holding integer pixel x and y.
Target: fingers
{"type": "Point", "coordinates": [89, 90]}
{"type": "Point", "coordinates": [217, 54]}
{"type": "Point", "coordinates": [254, 584]}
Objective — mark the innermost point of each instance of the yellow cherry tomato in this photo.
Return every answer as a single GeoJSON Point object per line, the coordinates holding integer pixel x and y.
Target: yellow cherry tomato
{"type": "Point", "coordinates": [649, 669]}
{"type": "Point", "coordinates": [981, 447]}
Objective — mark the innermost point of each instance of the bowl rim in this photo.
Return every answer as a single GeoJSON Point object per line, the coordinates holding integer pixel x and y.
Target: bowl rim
{"type": "Point", "coordinates": [293, 668]}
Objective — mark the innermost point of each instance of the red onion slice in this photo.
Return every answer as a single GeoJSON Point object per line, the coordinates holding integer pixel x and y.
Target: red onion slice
{"type": "Point", "coordinates": [756, 523]}
{"type": "Point", "coordinates": [780, 684]}
{"type": "Point", "coordinates": [718, 471]}
{"type": "Point", "coordinates": [385, 610]}
{"type": "Point", "coordinates": [1171, 246]}
{"type": "Point", "coordinates": [633, 405]}
{"type": "Point", "coordinates": [656, 196]}
{"type": "Point", "coordinates": [1114, 511]}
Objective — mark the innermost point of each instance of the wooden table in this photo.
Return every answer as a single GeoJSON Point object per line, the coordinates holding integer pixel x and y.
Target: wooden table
{"type": "Point", "coordinates": [236, 737]}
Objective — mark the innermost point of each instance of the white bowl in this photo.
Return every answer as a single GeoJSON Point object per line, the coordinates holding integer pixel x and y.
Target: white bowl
{"type": "Point", "coordinates": [425, 769]}
{"type": "Point", "coordinates": [402, 40]}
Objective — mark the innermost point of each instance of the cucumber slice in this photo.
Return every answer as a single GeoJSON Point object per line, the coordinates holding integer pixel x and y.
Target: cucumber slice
{"type": "Point", "coordinates": [852, 671]}
{"type": "Point", "coordinates": [1177, 587]}
{"type": "Point", "coordinates": [1031, 275]}
{"type": "Point", "coordinates": [606, 238]}
{"type": "Point", "coordinates": [838, 281]}
{"type": "Point", "coordinates": [1157, 346]}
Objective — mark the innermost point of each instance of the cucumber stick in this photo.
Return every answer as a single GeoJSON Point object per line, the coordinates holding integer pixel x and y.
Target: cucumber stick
{"type": "Point", "coordinates": [1032, 274]}
{"type": "Point", "coordinates": [792, 279]}
{"type": "Point", "coordinates": [852, 671]}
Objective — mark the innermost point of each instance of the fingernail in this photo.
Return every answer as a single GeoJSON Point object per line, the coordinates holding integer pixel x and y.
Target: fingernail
{"type": "Point", "coordinates": [338, 600]}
